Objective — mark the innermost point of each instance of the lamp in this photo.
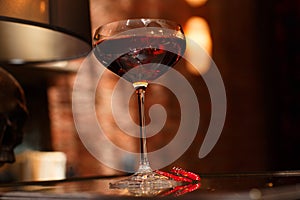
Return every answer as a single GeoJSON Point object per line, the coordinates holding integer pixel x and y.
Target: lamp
{"type": "Point", "coordinates": [33, 31]}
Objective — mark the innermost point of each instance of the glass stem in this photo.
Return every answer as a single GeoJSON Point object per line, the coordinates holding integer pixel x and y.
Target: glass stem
{"type": "Point", "coordinates": [144, 163]}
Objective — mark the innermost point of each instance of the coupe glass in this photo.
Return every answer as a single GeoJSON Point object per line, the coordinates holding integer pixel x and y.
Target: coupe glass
{"type": "Point", "coordinates": [140, 50]}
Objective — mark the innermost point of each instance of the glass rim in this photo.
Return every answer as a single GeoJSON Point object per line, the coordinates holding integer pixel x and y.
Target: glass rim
{"type": "Point", "coordinates": [143, 20]}
{"type": "Point", "coordinates": [139, 19]}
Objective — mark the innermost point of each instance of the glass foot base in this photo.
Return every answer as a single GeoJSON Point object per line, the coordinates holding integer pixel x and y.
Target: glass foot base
{"type": "Point", "coordinates": [145, 184]}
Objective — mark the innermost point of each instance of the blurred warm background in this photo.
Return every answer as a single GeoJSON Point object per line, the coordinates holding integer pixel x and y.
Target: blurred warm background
{"type": "Point", "coordinates": [255, 46]}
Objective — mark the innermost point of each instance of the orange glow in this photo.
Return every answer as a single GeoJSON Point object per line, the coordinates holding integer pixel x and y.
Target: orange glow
{"type": "Point", "coordinates": [198, 33]}
{"type": "Point", "coordinates": [196, 3]}
{"type": "Point", "coordinates": [42, 6]}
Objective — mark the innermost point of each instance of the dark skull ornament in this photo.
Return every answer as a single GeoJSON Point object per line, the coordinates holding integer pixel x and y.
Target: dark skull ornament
{"type": "Point", "coordinates": [13, 113]}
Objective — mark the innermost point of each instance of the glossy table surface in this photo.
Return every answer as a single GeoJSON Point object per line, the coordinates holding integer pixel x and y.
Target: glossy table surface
{"type": "Point", "coordinates": [252, 185]}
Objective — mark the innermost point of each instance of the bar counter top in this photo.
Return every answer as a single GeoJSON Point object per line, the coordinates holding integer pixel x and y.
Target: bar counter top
{"type": "Point", "coordinates": [281, 185]}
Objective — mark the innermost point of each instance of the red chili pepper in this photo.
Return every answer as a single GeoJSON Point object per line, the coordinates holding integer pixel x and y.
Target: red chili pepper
{"type": "Point", "coordinates": [174, 177]}
{"type": "Point", "coordinates": [184, 173]}
{"type": "Point", "coordinates": [178, 174]}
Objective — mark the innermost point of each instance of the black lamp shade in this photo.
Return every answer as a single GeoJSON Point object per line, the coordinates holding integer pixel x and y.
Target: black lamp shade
{"type": "Point", "coordinates": [44, 30]}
